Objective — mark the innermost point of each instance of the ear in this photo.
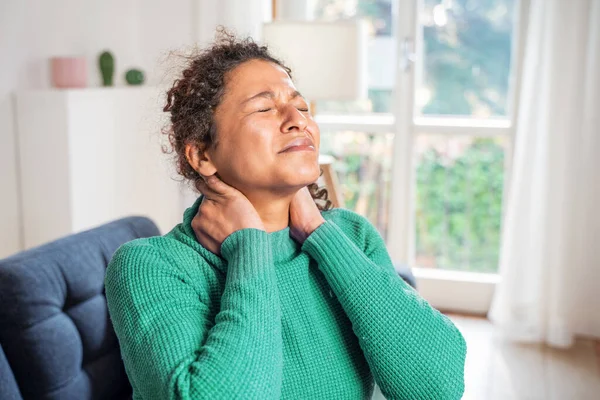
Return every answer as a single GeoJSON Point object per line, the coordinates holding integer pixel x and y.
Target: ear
{"type": "Point", "coordinates": [200, 160]}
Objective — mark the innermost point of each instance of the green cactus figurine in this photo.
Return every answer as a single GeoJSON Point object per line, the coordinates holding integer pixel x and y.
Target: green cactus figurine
{"type": "Point", "coordinates": [107, 67]}
{"type": "Point", "coordinates": [134, 77]}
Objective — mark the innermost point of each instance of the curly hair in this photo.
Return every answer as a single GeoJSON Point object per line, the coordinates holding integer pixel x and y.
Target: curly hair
{"type": "Point", "coordinates": [195, 95]}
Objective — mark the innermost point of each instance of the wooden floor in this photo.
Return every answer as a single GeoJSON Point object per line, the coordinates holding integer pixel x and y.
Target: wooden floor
{"type": "Point", "coordinates": [501, 370]}
{"type": "Point", "coordinates": [497, 369]}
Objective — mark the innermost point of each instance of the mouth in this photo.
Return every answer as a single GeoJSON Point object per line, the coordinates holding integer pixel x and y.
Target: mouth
{"type": "Point", "coordinates": [299, 144]}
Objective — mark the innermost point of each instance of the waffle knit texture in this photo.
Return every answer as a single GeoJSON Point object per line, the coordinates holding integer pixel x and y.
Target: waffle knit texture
{"type": "Point", "coordinates": [271, 319]}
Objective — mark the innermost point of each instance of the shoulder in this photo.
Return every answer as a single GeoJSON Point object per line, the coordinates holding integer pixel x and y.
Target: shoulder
{"type": "Point", "coordinates": [358, 228]}
{"type": "Point", "coordinates": [134, 259]}
{"type": "Point", "coordinates": [142, 250]}
{"type": "Point", "coordinates": [147, 260]}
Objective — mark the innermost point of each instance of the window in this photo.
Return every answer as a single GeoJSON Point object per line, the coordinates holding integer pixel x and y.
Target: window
{"type": "Point", "coordinates": [465, 58]}
{"type": "Point", "coordinates": [425, 156]}
{"type": "Point", "coordinates": [462, 79]}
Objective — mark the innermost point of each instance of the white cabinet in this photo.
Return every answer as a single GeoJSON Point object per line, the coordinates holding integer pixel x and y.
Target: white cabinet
{"type": "Point", "coordinates": [90, 156]}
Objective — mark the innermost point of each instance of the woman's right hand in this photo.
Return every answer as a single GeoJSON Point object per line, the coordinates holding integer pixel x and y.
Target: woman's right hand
{"type": "Point", "coordinates": [223, 210]}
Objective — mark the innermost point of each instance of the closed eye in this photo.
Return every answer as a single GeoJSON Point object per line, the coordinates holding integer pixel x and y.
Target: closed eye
{"type": "Point", "coordinates": [264, 110]}
{"type": "Point", "coordinates": [303, 109]}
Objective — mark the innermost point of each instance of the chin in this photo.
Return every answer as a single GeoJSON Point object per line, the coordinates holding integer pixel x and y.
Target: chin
{"type": "Point", "coordinates": [303, 176]}
{"type": "Point", "coordinates": [310, 174]}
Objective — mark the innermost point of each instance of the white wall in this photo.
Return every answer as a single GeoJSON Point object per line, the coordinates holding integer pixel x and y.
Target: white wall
{"type": "Point", "coordinates": [140, 33]}
{"type": "Point", "coordinates": [244, 16]}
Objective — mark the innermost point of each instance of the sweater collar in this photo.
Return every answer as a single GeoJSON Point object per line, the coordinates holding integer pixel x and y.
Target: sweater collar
{"type": "Point", "coordinates": [284, 248]}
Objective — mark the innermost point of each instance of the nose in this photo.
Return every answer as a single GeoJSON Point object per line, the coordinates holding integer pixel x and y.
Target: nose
{"type": "Point", "coordinates": [294, 119]}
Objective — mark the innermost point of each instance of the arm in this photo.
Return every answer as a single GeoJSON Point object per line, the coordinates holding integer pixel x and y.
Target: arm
{"type": "Point", "coordinates": [413, 351]}
{"type": "Point", "coordinates": [170, 347]}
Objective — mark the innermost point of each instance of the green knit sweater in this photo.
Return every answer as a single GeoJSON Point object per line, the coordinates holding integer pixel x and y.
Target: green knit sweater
{"type": "Point", "coordinates": [272, 319]}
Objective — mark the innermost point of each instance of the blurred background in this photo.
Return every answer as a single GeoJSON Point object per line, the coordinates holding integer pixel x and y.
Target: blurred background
{"type": "Point", "coordinates": [471, 145]}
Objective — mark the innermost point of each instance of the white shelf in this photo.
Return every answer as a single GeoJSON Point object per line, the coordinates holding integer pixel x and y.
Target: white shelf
{"type": "Point", "coordinates": [89, 156]}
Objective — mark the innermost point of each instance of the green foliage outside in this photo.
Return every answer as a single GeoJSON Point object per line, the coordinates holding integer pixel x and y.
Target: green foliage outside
{"type": "Point", "coordinates": [459, 207]}
{"type": "Point", "coordinates": [467, 57]}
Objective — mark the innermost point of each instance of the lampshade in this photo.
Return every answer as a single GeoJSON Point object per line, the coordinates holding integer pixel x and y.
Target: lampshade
{"type": "Point", "coordinates": [328, 59]}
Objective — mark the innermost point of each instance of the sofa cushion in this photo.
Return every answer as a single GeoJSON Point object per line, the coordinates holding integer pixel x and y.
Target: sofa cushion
{"type": "Point", "coordinates": [8, 386]}
{"type": "Point", "coordinates": [54, 323]}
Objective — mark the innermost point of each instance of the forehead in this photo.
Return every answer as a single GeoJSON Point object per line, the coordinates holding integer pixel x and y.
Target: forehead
{"type": "Point", "coordinates": [255, 76]}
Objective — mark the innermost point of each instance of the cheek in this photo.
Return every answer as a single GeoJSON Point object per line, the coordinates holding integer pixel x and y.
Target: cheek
{"type": "Point", "coordinates": [316, 135]}
{"type": "Point", "coordinates": [255, 140]}
{"type": "Point", "coordinates": [247, 148]}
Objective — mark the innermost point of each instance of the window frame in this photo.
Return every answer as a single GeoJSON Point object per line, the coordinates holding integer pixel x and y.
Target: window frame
{"type": "Point", "coordinates": [460, 291]}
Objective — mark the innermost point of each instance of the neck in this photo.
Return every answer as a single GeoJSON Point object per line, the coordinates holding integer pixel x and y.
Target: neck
{"type": "Point", "coordinates": [273, 211]}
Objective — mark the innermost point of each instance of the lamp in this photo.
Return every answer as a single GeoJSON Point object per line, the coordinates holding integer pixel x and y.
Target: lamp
{"type": "Point", "coordinates": [328, 59]}
{"type": "Point", "coordinates": [328, 62]}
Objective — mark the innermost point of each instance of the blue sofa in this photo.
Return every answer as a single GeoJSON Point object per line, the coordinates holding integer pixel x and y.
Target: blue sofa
{"type": "Point", "coordinates": [56, 339]}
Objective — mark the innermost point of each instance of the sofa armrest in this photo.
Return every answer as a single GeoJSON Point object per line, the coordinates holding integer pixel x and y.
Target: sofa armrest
{"type": "Point", "coordinates": [9, 390]}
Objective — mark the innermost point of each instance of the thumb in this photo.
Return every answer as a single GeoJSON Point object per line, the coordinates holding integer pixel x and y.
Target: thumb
{"type": "Point", "coordinates": [303, 195]}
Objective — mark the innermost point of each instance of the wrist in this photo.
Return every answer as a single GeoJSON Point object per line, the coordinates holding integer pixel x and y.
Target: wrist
{"type": "Point", "coordinates": [241, 240]}
{"type": "Point", "coordinates": [313, 225]}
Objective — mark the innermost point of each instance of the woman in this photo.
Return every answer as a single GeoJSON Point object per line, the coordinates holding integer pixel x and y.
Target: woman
{"type": "Point", "coordinates": [263, 292]}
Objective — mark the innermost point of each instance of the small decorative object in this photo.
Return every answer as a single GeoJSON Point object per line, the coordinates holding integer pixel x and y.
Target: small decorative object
{"type": "Point", "coordinates": [134, 77]}
{"type": "Point", "coordinates": [68, 72]}
{"type": "Point", "coordinates": [107, 67]}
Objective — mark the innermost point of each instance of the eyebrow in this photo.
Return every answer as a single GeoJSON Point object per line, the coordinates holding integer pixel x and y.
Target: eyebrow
{"type": "Point", "coordinates": [268, 94]}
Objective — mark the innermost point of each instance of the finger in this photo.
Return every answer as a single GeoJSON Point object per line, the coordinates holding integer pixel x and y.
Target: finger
{"type": "Point", "coordinates": [302, 194]}
{"type": "Point", "coordinates": [214, 183]}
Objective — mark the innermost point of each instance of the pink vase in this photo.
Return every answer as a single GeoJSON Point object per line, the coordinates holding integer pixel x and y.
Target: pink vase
{"type": "Point", "coordinates": [68, 72]}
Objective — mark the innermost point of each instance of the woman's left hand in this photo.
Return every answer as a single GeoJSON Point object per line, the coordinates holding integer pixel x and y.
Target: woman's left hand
{"type": "Point", "coordinates": [305, 217]}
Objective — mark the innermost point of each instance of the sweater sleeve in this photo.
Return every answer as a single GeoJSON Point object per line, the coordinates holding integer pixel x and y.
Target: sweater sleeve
{"type": "Point", "coordinates": [413, 351]}
{"type": "Point", "coordinates": [172, 348]}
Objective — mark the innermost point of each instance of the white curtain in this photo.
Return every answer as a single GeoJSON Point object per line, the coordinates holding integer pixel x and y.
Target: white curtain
{"type": "Point", "coordinates": [550, 258]}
